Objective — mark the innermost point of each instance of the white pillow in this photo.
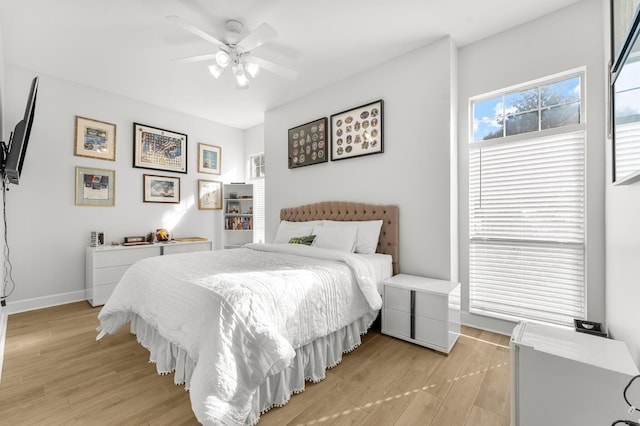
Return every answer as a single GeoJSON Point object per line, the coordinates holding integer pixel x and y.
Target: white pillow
{"type": "Point", "coordinates": [367, 236]}
{"type": "Point", "coordinates": [288, 230]}
{"type": "Point", "coordinates": [341, 238]}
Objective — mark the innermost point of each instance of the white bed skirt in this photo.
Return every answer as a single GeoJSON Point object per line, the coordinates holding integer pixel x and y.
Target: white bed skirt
{"type": "Point", "coordinates": [310, 363]}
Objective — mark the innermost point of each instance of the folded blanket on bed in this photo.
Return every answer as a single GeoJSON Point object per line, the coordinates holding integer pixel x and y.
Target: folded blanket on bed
{"type": "Point", "coordinates": [241, 313]}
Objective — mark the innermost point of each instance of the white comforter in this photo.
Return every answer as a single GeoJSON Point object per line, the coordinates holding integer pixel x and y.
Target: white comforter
{"type": "Point", "coordinates": [240, 314]}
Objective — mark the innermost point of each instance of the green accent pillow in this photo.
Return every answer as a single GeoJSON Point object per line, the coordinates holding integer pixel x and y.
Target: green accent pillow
{"type": "Point", "coordinates": [307, 240]}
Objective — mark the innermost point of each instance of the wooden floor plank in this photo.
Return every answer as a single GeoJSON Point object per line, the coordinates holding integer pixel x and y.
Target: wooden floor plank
{"type": "Point", "coordinates": [56, 373]}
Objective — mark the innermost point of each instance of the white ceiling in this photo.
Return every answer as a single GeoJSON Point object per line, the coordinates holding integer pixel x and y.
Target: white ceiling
{"type": "Point", "coordinates": [125, 46]}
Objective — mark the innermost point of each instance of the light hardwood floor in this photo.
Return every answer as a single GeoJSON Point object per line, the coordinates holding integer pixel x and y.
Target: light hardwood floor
{"type": "Point", "coordinates": [55, 373]}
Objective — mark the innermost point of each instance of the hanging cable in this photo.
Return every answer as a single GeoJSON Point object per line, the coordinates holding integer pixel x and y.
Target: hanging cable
{"type": "Point", "coordinates": [632, 407]}
{"type": "Point", "coordinates": [8, 285]}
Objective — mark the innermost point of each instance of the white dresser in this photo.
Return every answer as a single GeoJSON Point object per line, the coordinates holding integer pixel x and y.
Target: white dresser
{"type": "Point", "coordinates": [562, 377]}
{"type": "Point", "coordinates": [105, 265]}
{"type": "Point", "coordinates": [419, 310]}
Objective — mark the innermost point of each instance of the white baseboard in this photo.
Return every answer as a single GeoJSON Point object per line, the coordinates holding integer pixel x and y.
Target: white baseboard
{"type": "Point", "coordinates": [3, 334]}
{"type": "Point", "coordinates": [44, 302]}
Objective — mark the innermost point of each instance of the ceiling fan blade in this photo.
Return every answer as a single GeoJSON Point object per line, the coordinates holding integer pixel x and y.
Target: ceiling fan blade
{"type": "Point", "coordinates": [275, 68]}
{"type": "Point", "coordinates": [194, 30]}
{"type": "Point", "coordinates": [257, 37]}
{"type": "Point", "coordinates": [198, 58]}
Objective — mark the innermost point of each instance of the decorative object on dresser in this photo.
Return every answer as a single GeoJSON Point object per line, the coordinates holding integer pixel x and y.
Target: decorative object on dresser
{"type": "Point", "coordinates": [161, 189]}
{"type": "Point", "coordinates": [209, 195]}
{"type": "Point", "coordinates": [238, 214]}
{"type": "Point", "coordinates": [136, 241]}
{"type": "Point", "coordinates": [95, 139]}
{"type": "Point", "coordinates": [159, 149]}
{"type": "Point", "coordinates": [419, 310]}
{"type": "Point", "coordinates": [97, 238]}
{"type": "Point", "coordinates": [209, 159]}
{"type": "Point", "coordinates": [105, 265]}
{"type": "Point", "coordinates": [308, 144]}
{"type": "Point", "coordinates": [358, 131]}
{"type": "Point", "coordinates": [95, 187]}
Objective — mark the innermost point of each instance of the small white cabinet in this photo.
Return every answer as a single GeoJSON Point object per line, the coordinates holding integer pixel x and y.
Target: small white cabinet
{"type": "Point", "coordinates": [419, 310]}
{"type": "Point", "coordinates": [563, 377]}
{"type": "Point", "coordinates": [106, 265]}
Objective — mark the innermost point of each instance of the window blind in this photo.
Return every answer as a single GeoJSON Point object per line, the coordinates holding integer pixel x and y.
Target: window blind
{"type": "Point", "coordinates": [527, 227]}
{"type": "Point", "coordinates": [258, 210]}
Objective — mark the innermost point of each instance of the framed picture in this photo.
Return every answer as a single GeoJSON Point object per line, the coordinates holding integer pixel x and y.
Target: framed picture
{"type": "Point", "coordinates": [308, 144]}
{"type": "Point", "coordinates": [159, 149]}
{"type": "Point", "coordinates": [161, 189]}
{"type": "Point", "coordinates": [209, 159]}
{"type": "Point", "coordinates": [233, 207]}
{"type": "Point", "coordinates": [622, 14]}
{"type": "Point", "coordinates": [357, 132]}
{"type": "Point", "coordinates": [95, 139]}
{"type": "Point", "coordinates": [209, 195]}
{"type": "Point", "coordinates": [95, 187]}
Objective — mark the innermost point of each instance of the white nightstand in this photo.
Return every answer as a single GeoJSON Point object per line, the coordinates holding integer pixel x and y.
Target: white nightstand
{"type": "Point", "coordinates": [418, 309]}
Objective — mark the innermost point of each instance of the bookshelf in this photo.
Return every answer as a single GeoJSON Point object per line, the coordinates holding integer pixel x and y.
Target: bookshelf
{"type": "Point", "coordinates": [238, 214]}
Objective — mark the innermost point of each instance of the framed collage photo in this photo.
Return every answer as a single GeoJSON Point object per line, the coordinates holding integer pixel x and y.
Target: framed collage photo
{"type": "Point", "coordinates": [308, 144]}
{"type": "Point", "coordinates": [161, 189]}
{"type": "Point", "coordinates": [95, 187]}
{"type": "Point", "coordinates": [159, 149]}
{"type": "Point", "coordinates": [209, 195]}
{"type": "Point", "coordinates": [95, 139]}
{"type": "Point", "coordinates": [209, 159]}
{"type": "Point", "coordinates": [357, 131]}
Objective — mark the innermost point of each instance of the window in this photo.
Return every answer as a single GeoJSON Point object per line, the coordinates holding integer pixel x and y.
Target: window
{"type": "Point", "coordinates": [527, 203]}
{"type": "Point", "coordinates": [256, 163]}
{"type": "Point", "coordinates": [257, 166]}
{"type": "Point", "coordinates": [537, 108]}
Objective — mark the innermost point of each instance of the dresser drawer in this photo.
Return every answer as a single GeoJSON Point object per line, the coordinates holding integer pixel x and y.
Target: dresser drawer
{"type": "Point", "coordinates": [109, 275]}
{"type": "Point", "coordinates": [186, 248]}
{"type": "Point", "coordinates": [426, 304]}
{"type": "Point", "coordinates": [123, 256]}
{"type": "Point", "coordinates": [101, 293]}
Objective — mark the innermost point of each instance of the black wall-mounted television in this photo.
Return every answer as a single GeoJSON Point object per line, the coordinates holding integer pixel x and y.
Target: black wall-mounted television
{"type": "Point", "coordinates": [14, 152]}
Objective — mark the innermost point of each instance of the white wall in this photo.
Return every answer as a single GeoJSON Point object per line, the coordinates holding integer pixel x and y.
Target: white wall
{"type": "Point", "coordinates": [48, 232]}
{"type": "Point", "coordinates": [254, 140]}
{"type": "Point", "coordinates": [567, 39]}
{"type": "Point", "coordinates": [414, 170]}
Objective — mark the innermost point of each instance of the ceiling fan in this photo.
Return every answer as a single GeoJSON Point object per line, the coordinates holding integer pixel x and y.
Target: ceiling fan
{"type": "Point", "coordinates": [235, 52]}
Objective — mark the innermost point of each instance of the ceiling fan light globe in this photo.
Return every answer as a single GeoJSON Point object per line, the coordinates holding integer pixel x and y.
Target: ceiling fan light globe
{"type": "Point", "coordinates": [216, 70]}
{"type": "Point", "coordinates": [242, 82]}
{"type": "Point", "coordinates": [222, 58]}
{"type": "Point", "coordinates": [252, 69]}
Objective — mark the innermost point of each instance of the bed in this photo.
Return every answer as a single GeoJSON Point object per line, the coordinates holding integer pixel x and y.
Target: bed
{"type": "Point", "coordinates": [244, 329]}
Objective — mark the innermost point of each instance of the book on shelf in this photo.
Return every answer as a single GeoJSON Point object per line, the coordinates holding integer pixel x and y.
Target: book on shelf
{"type": "Point", "coordinates": [239, 223]}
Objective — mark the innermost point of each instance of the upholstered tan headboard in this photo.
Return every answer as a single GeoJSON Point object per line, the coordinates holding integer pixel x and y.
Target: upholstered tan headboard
{"type": "Point", "coordinates": [342, 210]}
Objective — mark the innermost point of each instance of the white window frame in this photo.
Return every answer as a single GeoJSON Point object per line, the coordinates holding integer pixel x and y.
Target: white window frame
{"type": "Point", "coordinates": [258, 198]}
{"type": "Point", "coordinates": [475, 306]}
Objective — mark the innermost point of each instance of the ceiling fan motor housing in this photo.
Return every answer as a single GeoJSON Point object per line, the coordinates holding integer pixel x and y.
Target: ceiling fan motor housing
{"type": "Point", "coordinates": [234, 31]}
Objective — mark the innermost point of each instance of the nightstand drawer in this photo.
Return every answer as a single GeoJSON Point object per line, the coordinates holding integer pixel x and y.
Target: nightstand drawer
{"type": "Point", "coordinates": [427, 330]}
{"type": "Point", "coordinates": [427, 305]}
